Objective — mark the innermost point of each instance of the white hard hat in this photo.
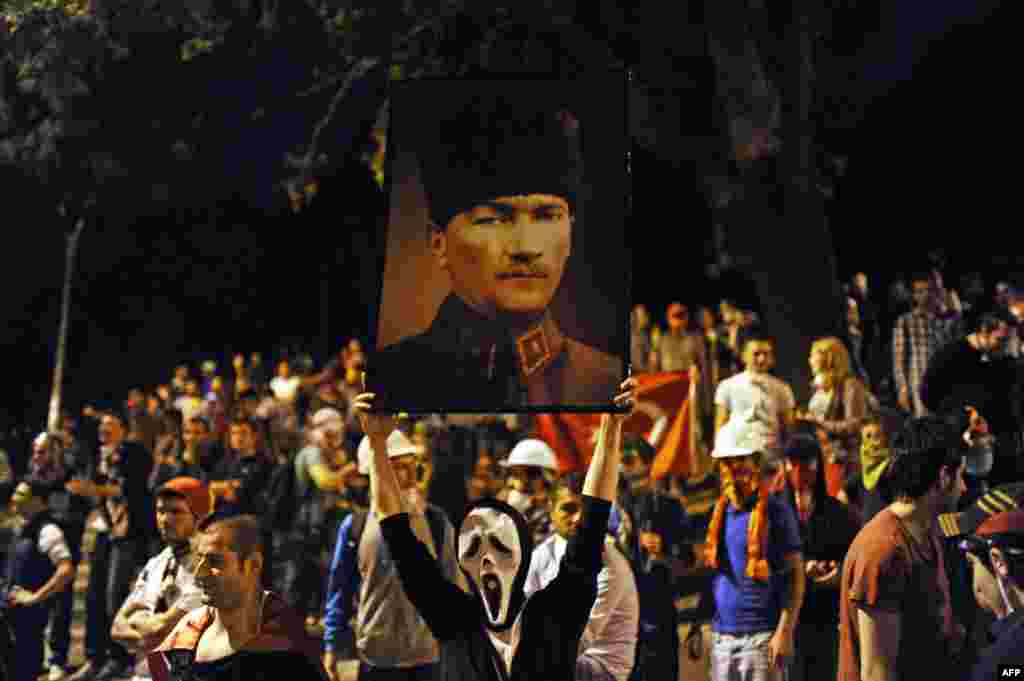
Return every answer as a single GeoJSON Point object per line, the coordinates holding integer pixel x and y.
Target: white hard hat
{"type": "Point", "coordinates": [398, 445]}
{"type": "Point", "coordinates": [532, 453]}
{"type": "Point", "coordinates": [327, 418]}
{"type": "Point", "coordinates": [734, 439]}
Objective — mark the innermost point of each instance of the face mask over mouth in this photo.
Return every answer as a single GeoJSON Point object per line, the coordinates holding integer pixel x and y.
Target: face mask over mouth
{"type": "Point", "coordinates": [494, 554]}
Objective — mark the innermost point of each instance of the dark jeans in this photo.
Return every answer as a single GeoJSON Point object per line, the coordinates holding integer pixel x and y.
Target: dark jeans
{"type": "Point", "coordinates": [28, 625]}
{"type": "Point", "coordinates": [115, 565]}
{"type": "Point", "coordinates": [815, 652]}
{"type": "Point", "coordinates": [60, 623]}
{"type": "Point", "coordinates": [657, 657]}
{"type": "Point", "coordinates": [421, 673]}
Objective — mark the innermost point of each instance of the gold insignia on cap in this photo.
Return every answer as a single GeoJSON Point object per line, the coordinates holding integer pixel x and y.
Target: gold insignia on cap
{"type": "Point", "coordinates": [992, 504]}
{"type": "Point", "coordinates": [948, 523]}
{"type": "Point", "coordinates": [534, 350]}
{"type": "Point", "coordinates": [999, 494]}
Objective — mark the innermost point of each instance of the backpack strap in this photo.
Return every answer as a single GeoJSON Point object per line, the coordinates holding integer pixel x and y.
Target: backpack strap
{"type": "Point", "coordinates": [355, 533]}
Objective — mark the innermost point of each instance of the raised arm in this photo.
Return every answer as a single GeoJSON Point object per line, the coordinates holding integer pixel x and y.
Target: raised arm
{"type": "Point", "coordinates": [444, 606]}
{"type": "Point", "coordinates": [602, 480]}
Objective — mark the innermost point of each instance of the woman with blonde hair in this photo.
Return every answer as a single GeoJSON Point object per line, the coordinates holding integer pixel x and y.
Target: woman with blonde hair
{"type": "Point", "coordinates": [839, 405]}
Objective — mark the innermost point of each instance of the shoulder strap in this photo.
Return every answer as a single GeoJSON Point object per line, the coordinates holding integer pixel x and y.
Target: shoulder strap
{"type": "Point", "coordinates": [355, 533]}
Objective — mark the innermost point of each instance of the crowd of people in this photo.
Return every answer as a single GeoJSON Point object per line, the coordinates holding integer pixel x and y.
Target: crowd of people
{"type": "Point", "coordinates": [867, 534]}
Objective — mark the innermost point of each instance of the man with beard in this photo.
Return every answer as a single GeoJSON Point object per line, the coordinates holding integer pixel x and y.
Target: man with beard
{"type": "Point", "coordinates": [608, 647]}
{"type": "Point", "coordinates": [754, 548]}
{"type": "Point", "coordinates": [241, 631]}
{"type": "Point", "coordinates": [895, 612]}
{"type": "Point", "coordinates": [38, 567]}
{"type": "Point", "coordinates": [391, 640]}
{"type": "Point", "coordinates": [165, 590]}
{"type": "Point", "coordinates": [494, 632]}
{"type": "Point", "coordinates": [976, 372]}
{"type": "Point", "coordinates": [498, 165]}
{"type": "Point", "coordinates": [826, 531]}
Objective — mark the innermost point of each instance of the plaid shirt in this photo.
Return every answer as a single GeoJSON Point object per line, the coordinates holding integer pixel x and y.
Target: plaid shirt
{"type": "Point", "coordinates": [926, 334]}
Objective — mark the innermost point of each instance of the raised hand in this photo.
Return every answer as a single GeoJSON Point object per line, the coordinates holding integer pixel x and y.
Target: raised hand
{"type": "Point", "coordinates": [376, 426]}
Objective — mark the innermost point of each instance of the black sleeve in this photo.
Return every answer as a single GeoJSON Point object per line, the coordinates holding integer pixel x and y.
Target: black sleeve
{"type": "Point", "coordinates": [575, 587]}
{"type": "Point", "coordinates": [445, 607]}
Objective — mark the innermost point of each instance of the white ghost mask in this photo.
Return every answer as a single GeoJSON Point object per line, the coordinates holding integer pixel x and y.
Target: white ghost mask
{"type": "Point", "coordinates": [491, 555]}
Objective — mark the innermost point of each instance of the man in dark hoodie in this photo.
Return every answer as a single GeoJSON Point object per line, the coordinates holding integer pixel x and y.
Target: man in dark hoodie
{"type": "Point", "coordinates": [496, 633]}
{"type": "Point", "coordinates": [826, 531]}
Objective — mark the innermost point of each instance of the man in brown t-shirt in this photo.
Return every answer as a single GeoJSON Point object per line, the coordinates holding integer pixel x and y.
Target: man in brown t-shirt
{"type": "Point", "coordinates": [895, 619]}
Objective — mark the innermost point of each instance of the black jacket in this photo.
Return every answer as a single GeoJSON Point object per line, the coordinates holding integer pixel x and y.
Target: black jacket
{"type": "Point", "coordinates": [467, 361]}
{"type": "Point", "coordinates": [553, 619]}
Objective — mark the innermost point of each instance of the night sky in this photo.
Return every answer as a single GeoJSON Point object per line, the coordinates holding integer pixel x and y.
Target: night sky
{"type": "Point", "coordinates": [927, 168]}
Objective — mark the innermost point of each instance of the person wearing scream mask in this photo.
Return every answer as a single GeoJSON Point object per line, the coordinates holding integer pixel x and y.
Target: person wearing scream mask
{"type": "Point", "coordinates": [826, 531]}
{"type": "Point", "coordinates": [494, 632]}
{"type": "Point", "coordinates": [531, 467]}
{"type": "Point", "coordinates": [754, 548]}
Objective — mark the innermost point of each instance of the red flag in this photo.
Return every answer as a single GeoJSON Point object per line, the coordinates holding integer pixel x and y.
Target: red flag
{"type": "Point", "coordinates": [572, 436]}
{"type": "Point", "coordinates": [662, 417]}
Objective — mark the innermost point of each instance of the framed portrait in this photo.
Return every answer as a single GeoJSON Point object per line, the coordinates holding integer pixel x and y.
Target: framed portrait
{"type": "Point", "coordinates": [504, 282]}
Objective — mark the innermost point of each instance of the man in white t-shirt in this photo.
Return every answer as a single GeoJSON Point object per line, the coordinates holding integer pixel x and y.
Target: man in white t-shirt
{"type": "Point", "coordinates": [285, 385]}
{"type": "Point", "coordinates": [756, 396]}
{"type": "Point", "coordinates": [37, 568]}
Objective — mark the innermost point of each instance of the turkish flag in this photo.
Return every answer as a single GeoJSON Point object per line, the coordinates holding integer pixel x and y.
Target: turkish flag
{"type": "Point", "coordinates": [661, 416]}
{"type": "Point", "coordinates": [572, 436]}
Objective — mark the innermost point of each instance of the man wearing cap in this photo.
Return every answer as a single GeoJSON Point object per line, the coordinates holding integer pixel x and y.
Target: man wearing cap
{"type": "Point", "coordinates": [531, 471]}
{"type": "Point", "coordinates": [391, 639]}
{"type": "Point", "coordinates": [995, 549]}
{"type": "Point", "coordinates": [500, 176]}
{"type": "Point", "coordinates": [681, 348]}
{"type": "Point", "coordinates": [754, 548]}
{"type": "Point", "coordinates": [956, 526]}
{"type": "Point", "coordinates": [165, 590]}
{"type": "Point", "coordinates": [38, 566]}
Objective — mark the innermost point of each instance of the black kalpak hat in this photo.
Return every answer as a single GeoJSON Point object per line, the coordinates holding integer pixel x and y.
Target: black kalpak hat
{"type": "Point", "coordinates": [479, 140]}
{"type": "Point", "coordinates": [998, 500]}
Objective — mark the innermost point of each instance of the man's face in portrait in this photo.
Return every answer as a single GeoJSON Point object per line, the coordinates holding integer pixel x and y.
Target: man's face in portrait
{"type": "Point", "coordinates": [507, 256]}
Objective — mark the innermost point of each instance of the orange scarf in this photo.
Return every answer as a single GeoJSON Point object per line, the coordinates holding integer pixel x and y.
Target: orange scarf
{"type": "Point", "coordinates": [757, 532]}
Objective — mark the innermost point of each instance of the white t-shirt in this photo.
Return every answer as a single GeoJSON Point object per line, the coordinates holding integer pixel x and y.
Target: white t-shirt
{"type": "Point", "coordinates": [762, 399]}
{"type": "Point", "coordinates": [188, 406]}
{"type": "Point", "coordinates": [51, 542]}
{"type": "Point", "coordinates": [285, 389]}
{"type": "Point", "coordinates": [177, 586]}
